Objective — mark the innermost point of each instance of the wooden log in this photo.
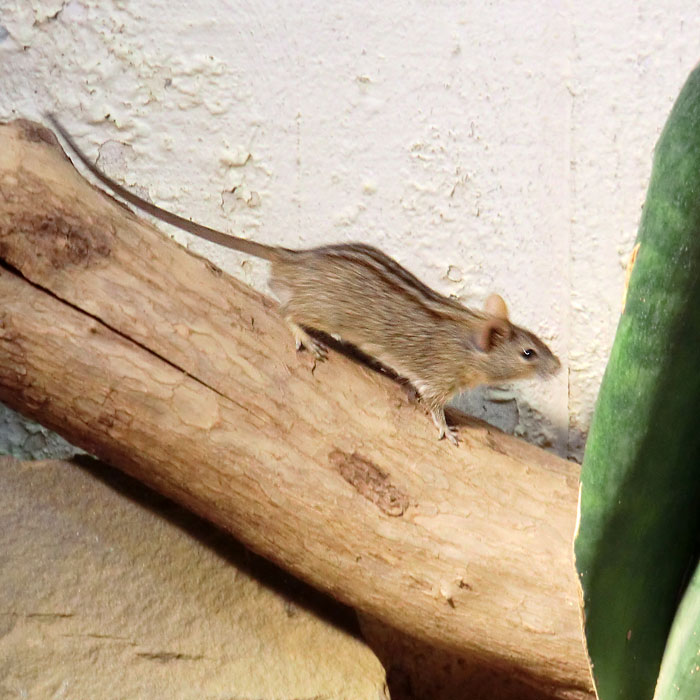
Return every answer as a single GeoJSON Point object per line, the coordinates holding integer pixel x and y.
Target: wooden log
{"type": "Point", "coordinates": [157, 362]}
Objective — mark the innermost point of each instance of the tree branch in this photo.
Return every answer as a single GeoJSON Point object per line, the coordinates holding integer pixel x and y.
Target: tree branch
{"type": "Point", "coordinates": [154, 360]}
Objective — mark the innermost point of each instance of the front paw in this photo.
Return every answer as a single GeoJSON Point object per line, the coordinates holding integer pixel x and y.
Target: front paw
{"type": "Point", "coordinates": [450, 434]}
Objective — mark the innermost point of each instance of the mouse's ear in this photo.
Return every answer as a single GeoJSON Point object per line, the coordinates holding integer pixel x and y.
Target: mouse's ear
{"type": "Point", "coordinates": [496, 306]}
{"type": "Point", "coordinates": [492, 332]}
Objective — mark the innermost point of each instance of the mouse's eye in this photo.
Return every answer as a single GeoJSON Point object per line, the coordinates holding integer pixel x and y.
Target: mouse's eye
{"type": "Point", "coordinates": [529, 354]}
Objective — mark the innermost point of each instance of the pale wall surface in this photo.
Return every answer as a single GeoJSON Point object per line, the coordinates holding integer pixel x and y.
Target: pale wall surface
{"type": "Point", "coordinates": [488, 147]}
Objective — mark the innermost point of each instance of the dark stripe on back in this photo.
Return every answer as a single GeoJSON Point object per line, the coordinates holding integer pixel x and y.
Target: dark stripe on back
{"type": "Point", "coordinates": [396, 275]}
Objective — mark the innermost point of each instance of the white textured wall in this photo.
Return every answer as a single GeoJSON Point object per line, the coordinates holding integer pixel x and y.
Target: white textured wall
{"type": "Point", "coordinates": [487, 146]}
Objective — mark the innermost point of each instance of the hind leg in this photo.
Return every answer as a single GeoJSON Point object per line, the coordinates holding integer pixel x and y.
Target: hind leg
{"type": "Point", "coordinates": [304, 341]}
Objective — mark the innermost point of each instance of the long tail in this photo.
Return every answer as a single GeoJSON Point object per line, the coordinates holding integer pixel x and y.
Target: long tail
{"type": "Point", "coordinates": [250, 247]}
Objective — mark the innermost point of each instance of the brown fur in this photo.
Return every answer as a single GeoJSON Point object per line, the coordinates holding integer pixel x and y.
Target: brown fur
{"type": "Point", "coordinates": [358, 293]}
{"type": "Point", "coordinates": [361, 295]}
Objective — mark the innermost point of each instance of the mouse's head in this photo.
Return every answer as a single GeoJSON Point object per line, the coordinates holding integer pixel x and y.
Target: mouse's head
{"type": "Point", "coordinates": [511, 352]}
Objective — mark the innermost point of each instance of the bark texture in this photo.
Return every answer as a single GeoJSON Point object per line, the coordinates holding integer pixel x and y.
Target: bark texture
{"type": "Point", "coordinates": [154, 360]}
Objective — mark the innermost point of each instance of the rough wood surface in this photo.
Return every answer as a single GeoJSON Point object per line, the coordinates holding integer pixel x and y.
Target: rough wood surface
{"type": "Point", "coordinates": [154, 360]}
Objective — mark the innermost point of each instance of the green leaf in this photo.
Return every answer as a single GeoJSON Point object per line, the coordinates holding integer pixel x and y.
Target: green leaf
{"type": "Point", "coordinates": [680, 669]}
{"type": "Point", "coordinates": [640, 499]}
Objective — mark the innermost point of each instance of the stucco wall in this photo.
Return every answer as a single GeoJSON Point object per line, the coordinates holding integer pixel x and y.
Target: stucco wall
{"type": "Point", "coordinates": [487, 146]}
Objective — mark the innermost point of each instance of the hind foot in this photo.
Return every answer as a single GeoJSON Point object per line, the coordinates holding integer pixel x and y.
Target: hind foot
{"type": "Point", "coordinates": [304, 341]}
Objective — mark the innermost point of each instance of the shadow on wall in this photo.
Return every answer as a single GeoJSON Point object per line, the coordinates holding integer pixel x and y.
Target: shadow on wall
{"type": "Point", "coordinates": [25, 439]}
{"type": "Point", "coordinates": [502, 409]}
